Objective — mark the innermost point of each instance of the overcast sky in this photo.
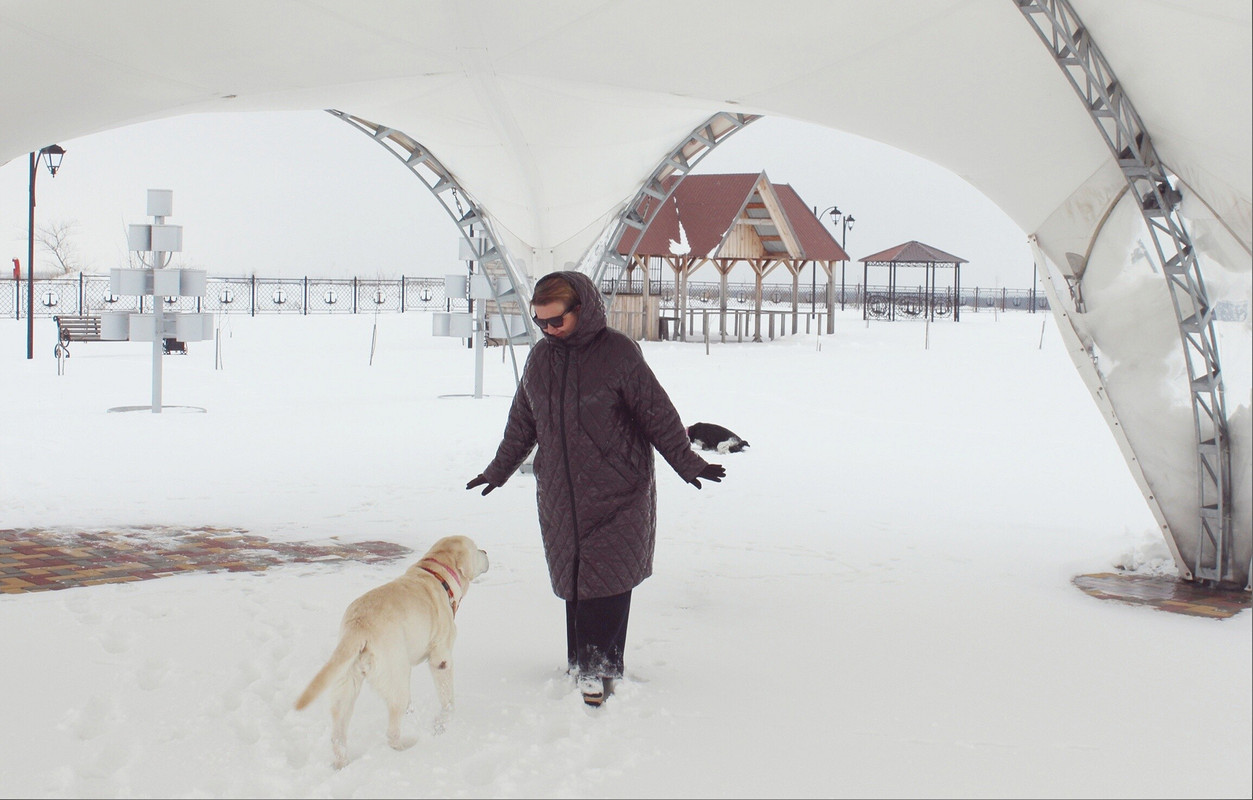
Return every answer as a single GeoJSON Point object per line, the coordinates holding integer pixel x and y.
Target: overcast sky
{"type": "Point", "coordinates": [302, 193]}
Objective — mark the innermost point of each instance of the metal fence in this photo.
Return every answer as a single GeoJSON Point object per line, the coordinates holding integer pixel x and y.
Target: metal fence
{"type": "Point", "coordinates": [707, 294]}
{"type": "Point", "coordinates": [91, 294]}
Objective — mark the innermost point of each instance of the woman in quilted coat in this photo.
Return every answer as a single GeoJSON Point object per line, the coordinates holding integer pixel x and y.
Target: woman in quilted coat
{"type": "Point", "coordinates": [594, 409]}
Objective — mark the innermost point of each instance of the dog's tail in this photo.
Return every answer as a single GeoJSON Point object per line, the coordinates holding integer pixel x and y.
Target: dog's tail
{"type": "Point", "coordinates": [350, 653]}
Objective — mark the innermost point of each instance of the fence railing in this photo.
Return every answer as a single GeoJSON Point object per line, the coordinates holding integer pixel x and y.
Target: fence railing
{"type": "Point", "coordinates": [90, 294]}
{"type": "Point", "coordinates": [708, 294]}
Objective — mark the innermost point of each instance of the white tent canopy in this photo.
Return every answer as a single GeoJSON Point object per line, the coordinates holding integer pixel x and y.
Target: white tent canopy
{"type": "Point", "coordinates": [551, 115]}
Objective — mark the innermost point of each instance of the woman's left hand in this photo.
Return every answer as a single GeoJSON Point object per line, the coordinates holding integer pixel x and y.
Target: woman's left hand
{"type": "Point", "coordinates": [711, 472]}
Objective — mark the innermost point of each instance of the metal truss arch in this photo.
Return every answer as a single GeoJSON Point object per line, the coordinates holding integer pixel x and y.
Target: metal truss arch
{"type": "Point", "coordinates": [637, 214]}
{"type": "Point", "coordinates": [471, 222]}
{"type": "Point", "coordinates": [1153, 188]}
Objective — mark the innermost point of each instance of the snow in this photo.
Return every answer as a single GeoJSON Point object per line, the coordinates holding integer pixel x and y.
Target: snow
{"type": "Point", "coordinates": [876, 601]}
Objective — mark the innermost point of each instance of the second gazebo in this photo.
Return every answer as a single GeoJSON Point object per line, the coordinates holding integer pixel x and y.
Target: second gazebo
{"type": "Point", "coordinates": [912, 299]}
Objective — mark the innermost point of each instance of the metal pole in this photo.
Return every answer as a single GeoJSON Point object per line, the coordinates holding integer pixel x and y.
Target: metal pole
{"type": "Point", "coordinates": [865, 281]}
{"type": "Point", "coordinates": [158, 327]}
{"type": "Point", "coordinates": [30, 263]}
{"type": "Point", "coordinates": [1034, 274]}
{"type": "Point", "coordinates": [844, 247]}
{"type": "Point", "coordinates": [480, 322]}
{"type": "Point", "coordinates": [843, 264]}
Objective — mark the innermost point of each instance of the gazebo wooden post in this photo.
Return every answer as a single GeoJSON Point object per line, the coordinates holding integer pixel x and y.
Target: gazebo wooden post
{"type": "Point", "coordinates": [683, 266]}
{"type": "Point", "coordinates": [676, 265]}
{"type": "Point", "coordinates": [645, 299]}
{"type": "Point", "coordinates": [628, 322]}
{"type": "Point", "coordinates": [829, 269]}
{"type": "Point", "coordinates": [692, 265]}
{"type": "Point", "coordinates": [723, 267]}
{"type": "Point", "coordinates": [757, 271]}
{"type": "Point", "coordinates": [795, 267]}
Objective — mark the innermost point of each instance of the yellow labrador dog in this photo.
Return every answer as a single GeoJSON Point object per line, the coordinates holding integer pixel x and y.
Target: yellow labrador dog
{"type": "Point", "coordinates": [389, 630]}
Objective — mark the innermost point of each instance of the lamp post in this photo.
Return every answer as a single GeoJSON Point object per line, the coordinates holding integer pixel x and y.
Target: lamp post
{"type": "Point", "coordinates": [813, 289]}
{"type": "Point", "coordinates": [845, 221]}
{"type": "Point", "coordinates": [52, 155]}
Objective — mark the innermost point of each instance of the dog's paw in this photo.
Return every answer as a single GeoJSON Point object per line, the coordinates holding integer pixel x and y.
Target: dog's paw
{"type": "Point", "coordinates": [441, 722]}
{"type": "Point", "coordinates": [402, 742]}
{"type": "Point", "coordinates": [340, 759]}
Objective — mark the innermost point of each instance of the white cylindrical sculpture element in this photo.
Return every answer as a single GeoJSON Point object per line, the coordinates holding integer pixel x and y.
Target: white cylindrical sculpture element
{"type": "Point", "coordinates": [143, 327]}
{"type": "Point", "coordinates": [139, 238]}
{"type": "Point", "coordinates": [130, 282]}
{"type": "Point", "coordinates": [193, 327]}
{"type": "Point", "coordinates": [195, 283]}
{"type": "Point", "coordinates": [160, 202]}
{"type": "Point", "coordinates": [167, 238]}
{"type": "Point", "coordinates": [115, 326]}
{"type": "Point", "coordinates": [166, 282]}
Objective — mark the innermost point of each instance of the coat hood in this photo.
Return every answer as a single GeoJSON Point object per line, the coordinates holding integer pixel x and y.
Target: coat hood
{"type": "Point", "coordinates": [591, 311]}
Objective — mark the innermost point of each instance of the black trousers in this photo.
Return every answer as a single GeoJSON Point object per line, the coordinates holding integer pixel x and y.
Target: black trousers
{"type": "Point", "coordinates": [596, 634]}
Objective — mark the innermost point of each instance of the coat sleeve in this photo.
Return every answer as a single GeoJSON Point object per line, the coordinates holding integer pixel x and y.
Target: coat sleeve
{"type": "Point", "coordinates": [517, 442]}
{"type": "Point", "coordinates": [657, 417]}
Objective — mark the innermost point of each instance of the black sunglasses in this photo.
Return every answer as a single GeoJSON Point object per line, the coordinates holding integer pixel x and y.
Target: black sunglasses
{"type": "Point", "coordinates": [554, 322]}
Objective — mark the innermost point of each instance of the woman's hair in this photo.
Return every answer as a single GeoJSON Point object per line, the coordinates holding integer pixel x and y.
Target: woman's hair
{"type": "Point", "coordinates": [554, 288]}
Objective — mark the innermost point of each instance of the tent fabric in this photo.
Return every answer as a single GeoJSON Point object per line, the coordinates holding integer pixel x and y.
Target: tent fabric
{"type": "Point", "coordinates": [550, 117]}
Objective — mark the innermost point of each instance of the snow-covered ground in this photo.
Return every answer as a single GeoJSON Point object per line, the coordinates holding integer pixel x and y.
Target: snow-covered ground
{"type": "Point", "coordinates": [876, 601]}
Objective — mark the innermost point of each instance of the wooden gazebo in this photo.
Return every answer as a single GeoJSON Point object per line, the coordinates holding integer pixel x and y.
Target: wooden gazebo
{"type": "Point", "coordinates": [729, 219]}
{"type": "Point", "coordinates": [912, 300]}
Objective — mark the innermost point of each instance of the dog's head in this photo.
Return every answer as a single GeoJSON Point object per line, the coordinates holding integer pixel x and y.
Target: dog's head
{"type": "Point", "coordinates": [462, 554]}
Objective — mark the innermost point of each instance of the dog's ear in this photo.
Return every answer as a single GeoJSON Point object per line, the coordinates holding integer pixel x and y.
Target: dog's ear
{"type": "Point", "coordinates": [460, 552]}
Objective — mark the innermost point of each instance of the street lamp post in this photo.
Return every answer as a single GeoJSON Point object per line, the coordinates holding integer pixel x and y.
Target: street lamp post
{"type": "Point", "coordinates": [52, 155]}
{"type": "Point", "coordinates": [813, 290]}
{"type": "Point", "coordinates": [846, 221]}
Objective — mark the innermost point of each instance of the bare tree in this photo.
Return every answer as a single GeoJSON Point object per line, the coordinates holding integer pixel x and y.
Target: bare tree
{"type": "Point", "coordinates": [57, 239]}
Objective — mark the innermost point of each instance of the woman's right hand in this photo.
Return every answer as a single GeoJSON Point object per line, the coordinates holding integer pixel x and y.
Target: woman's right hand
{"type": "Point", "coordinates": [479, 480]}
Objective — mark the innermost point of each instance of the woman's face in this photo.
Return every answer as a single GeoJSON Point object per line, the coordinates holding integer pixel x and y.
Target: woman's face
{"type": "Point", "coordinates": [556, 318]}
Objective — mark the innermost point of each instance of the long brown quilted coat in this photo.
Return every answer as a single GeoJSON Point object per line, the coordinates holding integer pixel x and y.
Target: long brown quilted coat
{"type": "Point", "coordinates": [596, 411]}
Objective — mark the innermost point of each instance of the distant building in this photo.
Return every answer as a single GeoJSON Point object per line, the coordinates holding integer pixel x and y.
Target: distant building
{"type": "Point", "coordinates": [722, 221]}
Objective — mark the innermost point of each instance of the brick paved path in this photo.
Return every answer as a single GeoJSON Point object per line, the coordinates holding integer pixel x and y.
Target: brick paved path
{"type": "Point", "coordinates": [1167, 594]}
{"type": "Point", "coordinates": [35, 560]}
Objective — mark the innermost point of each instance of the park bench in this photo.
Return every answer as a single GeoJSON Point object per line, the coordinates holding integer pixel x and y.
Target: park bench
{"type": "Point", "coordinates": [84, 328]}
{"type": "Point", "coordinates": [76, 328]}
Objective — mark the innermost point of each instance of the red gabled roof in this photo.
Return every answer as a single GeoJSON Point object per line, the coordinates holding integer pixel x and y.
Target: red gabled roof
{"type": "Point", "coordinates": [816, 241]}
{"type": "Point", "coordinates": [914, 253]}
{"type": "Point", "coordinates": [709, 205]}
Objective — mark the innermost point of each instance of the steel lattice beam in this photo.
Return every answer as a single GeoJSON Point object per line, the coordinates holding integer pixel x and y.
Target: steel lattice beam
{"type": "Point", "coordinates": [1061, 30]}
{"type": "Point", "coordinates": [643, 207]}
{"type": "Point", "coordinates": [464, 211]}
